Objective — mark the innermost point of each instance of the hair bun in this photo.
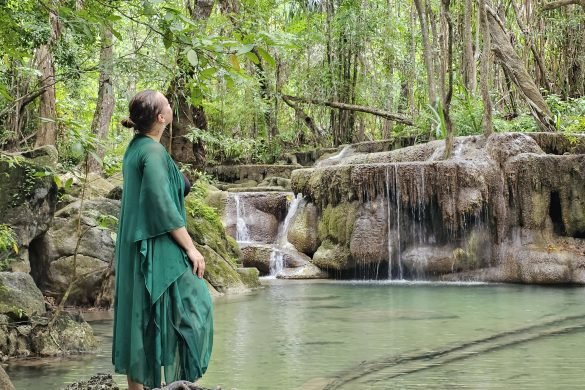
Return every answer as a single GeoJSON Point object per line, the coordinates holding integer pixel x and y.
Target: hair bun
{"type": "Point", "coordinates": [129, 123]}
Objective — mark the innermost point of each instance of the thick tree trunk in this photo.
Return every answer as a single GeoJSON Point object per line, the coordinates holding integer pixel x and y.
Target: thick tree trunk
{"type": "Point", "coordinates": [187, 116]}
{"type": "Point", "coordinates": [104, 107]}
{"type": "Point", "coordinates": [448, 66]}
{"type": "Point", "coordinates": [426, 52]}
{"type": "Point", "coordinates": [513, 63]}
{"type": "Point", "coordinates": [530, 43]}
{"type": "Point", "coordinates": [47, 133]}
{"type": "Point", "coordinates": [484, 65]}
{"type": "Point", "coordinates": [469, 67]}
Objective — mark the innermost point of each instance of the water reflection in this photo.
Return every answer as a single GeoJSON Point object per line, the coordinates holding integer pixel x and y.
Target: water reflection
{"type": "Point", "coordinates": [298, 335]}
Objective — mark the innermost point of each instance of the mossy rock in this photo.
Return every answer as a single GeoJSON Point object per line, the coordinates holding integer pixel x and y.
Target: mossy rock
{"type": "Point", "coordinates": [336, 223]}
{"type": "Point", "coordinates": [249, 276]}
{"type": "Point", "coordinates": [221, 274]}
{"type": "Point", "coordinates": [69, 334]}
{"type": "Point", "coordinates": [331, 256]}
{"type": "Point", "coordinates": [205, 227]}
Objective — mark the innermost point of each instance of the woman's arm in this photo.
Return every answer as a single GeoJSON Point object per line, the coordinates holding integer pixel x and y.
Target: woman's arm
{"type": "Point", "coordinates": [184, 240]}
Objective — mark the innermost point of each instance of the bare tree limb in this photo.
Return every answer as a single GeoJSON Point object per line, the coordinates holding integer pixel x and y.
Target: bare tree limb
{"type": "Point", "coordinates": [561, 3]}
{"type": "Point", "coordinates": [307, 120]}
{"type": "Point", "coordinates": [353, 107]}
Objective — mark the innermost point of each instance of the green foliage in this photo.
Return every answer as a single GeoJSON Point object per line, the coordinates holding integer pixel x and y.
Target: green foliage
{"type": "Point", "coordinates": [467, 114]}
{"type": "Point", "coordinates": [8, 246]}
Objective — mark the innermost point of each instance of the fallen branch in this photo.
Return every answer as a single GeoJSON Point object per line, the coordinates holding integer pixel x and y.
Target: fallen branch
{"type": "Point", "coordinates": [306, 119]}
{"type": "Point", "coordinates": [561, 3]}
{"type": "Point", "coordinates": [353, 107]}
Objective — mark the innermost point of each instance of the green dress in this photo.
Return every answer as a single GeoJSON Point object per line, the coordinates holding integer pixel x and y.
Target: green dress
{"type": "Point", "coordinates": [162, 312]}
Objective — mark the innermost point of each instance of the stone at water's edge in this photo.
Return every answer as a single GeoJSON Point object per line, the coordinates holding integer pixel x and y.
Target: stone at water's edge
{"type": "Point", "coordinates": [19, 295]}
{"type": "Point", "coordinates": [5, 382]}
{"type": "Point", "coordinates": [509, 208]}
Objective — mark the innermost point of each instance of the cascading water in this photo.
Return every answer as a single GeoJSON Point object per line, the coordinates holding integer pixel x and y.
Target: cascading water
{"type": "Point", "coordinates": [242, 233]}
{"type": "Point", "coordinates": [277, 256]}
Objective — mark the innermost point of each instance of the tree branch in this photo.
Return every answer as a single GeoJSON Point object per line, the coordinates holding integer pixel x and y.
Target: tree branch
{"type": "Point", "coordinates": [561, 3]}
{"type": "Point", "coordinates": [353, 107]}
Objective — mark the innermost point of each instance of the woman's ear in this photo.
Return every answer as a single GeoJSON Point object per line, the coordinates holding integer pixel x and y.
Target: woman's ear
{"type": "Point", "coordinates": [161, 118]}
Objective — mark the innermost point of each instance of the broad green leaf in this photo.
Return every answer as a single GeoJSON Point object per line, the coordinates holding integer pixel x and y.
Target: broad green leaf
{"type": "Point", "coordinates": [207, 73]}
{"type": "Point", "coordinates": [252, 57]}
{"type": "Point", "coordinates": [266, 56]}
{"type": "Point", "coordinates": [245, 49]}
{"type": "Point", "coordinates": [192, 57]}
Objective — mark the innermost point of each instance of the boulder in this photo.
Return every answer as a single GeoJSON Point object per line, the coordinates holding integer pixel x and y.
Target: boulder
{"type": "Point", "coordinates": [19, 295]}
{"type": "Point", "coordinates": [28, 197]}
{"type": "Point", "coordinates": [303, 232]}
{"type": "Point", "coordinates": [307, 271]}
{"type": "Point", "coordinates": [330, 256]}
{"type": "Point", "coordinates": [68, 334]}
{"type": "Point", "coordinates": [369, 237]}
{"type": "Point", "coordinates": [52, 254]}
{"type": "Point", "coordinates": [96, 382]}
{"type": "Point", "coordinates": [260, 257]}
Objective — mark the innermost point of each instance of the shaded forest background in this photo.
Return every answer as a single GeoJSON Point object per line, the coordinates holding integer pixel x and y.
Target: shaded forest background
{"type": "Point", "coordinates": [252, 80]}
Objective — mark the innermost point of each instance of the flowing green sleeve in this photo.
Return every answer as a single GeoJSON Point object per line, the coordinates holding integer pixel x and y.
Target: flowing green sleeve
{"type": "Point", "coordinates": [158, 212]}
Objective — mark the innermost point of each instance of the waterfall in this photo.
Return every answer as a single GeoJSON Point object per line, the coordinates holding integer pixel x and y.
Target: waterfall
{"type": "Point", "coordinates": [242, 233]}
{"type": "Point", "coordinates": [397, 192]}
{"type": "Point", "coordinates": [336, 158]}
{"type": "Point", "coordinates": [277, 256]}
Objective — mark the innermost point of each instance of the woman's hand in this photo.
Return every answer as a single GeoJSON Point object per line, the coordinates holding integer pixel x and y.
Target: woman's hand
{"type": "Point", "coordinates": [198, 263]}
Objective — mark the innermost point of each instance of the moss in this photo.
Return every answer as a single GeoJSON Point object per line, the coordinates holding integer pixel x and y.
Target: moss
{"type": "Point", "coordinates": [249, 276]}
{"type": "Point", "coordinates": [20, 181]}
{"type": "Point", "coordinates": [221, 274]}
{"type": "Point", "coordinates": [336, 223]}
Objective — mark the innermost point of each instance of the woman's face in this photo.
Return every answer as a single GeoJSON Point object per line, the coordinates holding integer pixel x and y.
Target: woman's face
{"type": "Point", "coordinates": [166, 114]}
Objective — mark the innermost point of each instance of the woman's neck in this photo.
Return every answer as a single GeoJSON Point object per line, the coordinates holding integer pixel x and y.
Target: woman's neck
{"type": "Point", "coordinates": [155, 134]}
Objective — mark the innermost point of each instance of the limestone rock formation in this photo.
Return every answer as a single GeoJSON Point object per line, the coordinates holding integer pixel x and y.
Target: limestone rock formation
{"type": "Point", "coordinates": [484, 214]}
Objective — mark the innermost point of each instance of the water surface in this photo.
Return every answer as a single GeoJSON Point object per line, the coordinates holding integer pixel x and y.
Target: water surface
{"type": "Point", "coordinates": [357, 335]}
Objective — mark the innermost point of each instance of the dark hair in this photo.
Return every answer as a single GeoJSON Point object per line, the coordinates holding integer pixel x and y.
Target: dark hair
{"type": "Point", "coordinates": [144, 108]}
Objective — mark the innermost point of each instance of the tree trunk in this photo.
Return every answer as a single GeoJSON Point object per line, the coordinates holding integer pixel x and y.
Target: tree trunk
{"type": "Point", "coordinates": [511, 61]}
{"type": "Point", "coordinates": [530, 43]}
{"type": "Point", "coordinates": [469, 67]}
{"type": "Point", "coordinates": [104, 107]}
{"type": "Point", "coordinates": [448, 66]}
{"type": "Point", "coordinates": [47, 133]}
{"type": "Point", "coordinates": [485, 61]}
{"type": "Point", "coordinates": [426, 52]}
{"type": "Point", "coordinates": [187, 116]}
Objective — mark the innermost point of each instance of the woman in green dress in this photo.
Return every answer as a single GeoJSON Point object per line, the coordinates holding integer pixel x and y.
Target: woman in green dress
{"type": "Point", "coordinates": [163, 323]}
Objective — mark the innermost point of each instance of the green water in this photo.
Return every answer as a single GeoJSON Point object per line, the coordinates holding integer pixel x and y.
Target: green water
{"type": "Point", "coordinates": [306, 335]}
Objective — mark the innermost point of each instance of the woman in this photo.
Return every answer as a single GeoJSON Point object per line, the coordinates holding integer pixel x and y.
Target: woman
{"type": "Point", "coordinates": [162, 310]}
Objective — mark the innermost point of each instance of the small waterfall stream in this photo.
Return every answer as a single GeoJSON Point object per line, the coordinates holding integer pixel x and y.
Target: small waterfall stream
{"type": "Point", "coordinates": [277, 256]}
{"type": "Point", "coordinates": [242, 233]}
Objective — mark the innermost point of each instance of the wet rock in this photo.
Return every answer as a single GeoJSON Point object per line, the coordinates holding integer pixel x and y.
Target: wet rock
{"type": "Point", "coordinates": [330, 256]}
{"type": "Point", "coordinates": [369, 237]}
{"type": "Point", "coordinates": [233, 173]}
{"type": "Point", "coordinates": [5, 382]}
{"type": "Point", "coordinates": [303, 233]}
{"type": "Point", "coordinates": [306, 271]}
{"type": "Point", "coordinates": [261, 212]}
{"type": "Point", "coordinates": [260, 257]}
{"type": "Point", "coordinates": [96, 382]}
